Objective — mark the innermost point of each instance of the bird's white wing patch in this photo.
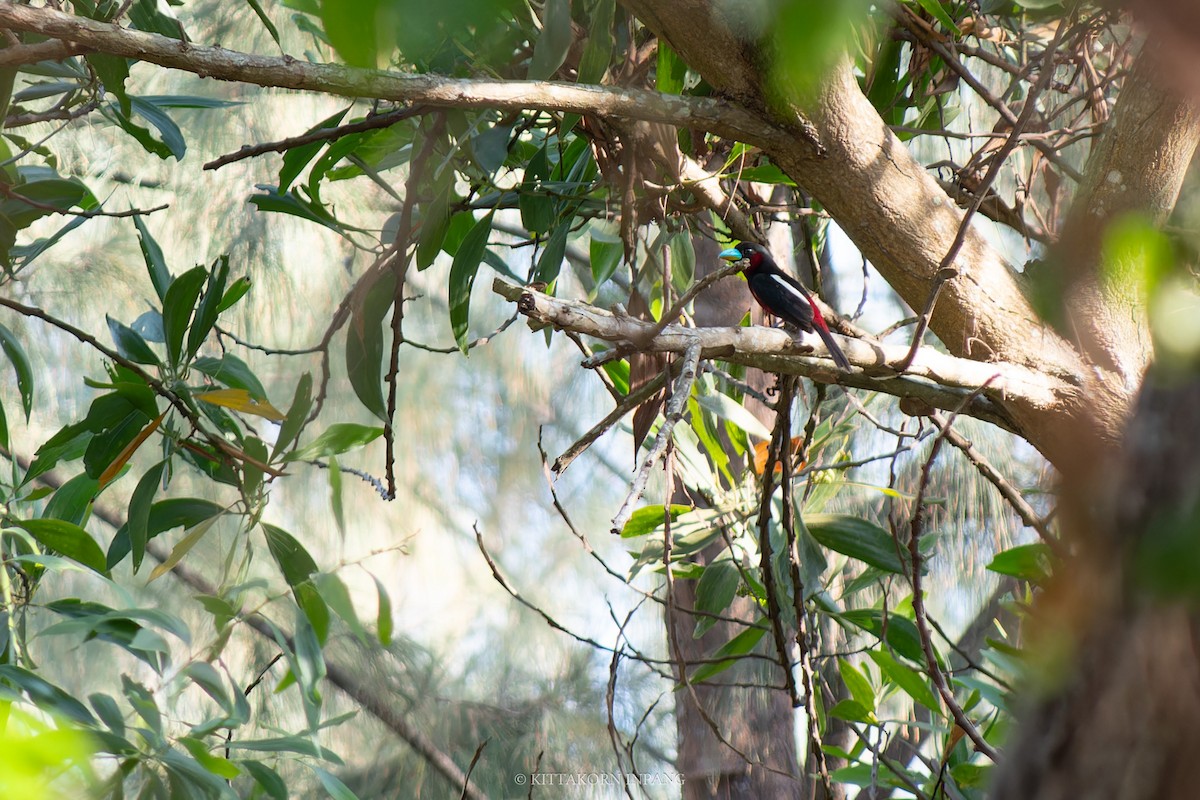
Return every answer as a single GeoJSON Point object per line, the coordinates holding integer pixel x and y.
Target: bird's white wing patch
{"type": "Point", "coordinates": [787, 287]}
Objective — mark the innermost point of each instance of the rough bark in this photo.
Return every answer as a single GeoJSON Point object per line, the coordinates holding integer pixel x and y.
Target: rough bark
{"type": "Point", "coordinates": [1114, 712]}
{"type": "Point", "coordinates": [933, 378]}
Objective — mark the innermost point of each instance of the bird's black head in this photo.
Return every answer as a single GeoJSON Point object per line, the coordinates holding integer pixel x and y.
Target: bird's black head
{"type": "Point", "coordinates": [755, 255]}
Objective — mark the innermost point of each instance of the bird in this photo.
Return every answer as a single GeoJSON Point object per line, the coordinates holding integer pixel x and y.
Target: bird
{"type": "Point", "coordinates": [782, 296]}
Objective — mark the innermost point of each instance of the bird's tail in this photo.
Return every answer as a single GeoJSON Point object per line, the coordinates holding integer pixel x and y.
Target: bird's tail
{"type": "Point", "coordinates": [839, 357]}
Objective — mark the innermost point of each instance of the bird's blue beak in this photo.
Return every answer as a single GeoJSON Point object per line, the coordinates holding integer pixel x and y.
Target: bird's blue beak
{"type": "Point", "coordinates": [732, 254]}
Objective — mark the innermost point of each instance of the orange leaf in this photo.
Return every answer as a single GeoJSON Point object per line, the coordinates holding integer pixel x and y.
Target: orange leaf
{"type": "Point", "coordinates": [760, 455]}
{"type": "Point", "coordinates": [240, 400]}
{"type": "Point", "coordinates": [123, 457]}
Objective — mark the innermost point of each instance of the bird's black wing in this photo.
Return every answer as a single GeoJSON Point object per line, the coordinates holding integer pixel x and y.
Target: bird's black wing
{"type": "Point", "coordinates": [782, 297]}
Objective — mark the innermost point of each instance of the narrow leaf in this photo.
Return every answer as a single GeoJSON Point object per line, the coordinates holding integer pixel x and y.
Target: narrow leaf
{"type": "Point", "coordinates": [190, 539]}
{"type": "Point", "coordinates": [462, 277]}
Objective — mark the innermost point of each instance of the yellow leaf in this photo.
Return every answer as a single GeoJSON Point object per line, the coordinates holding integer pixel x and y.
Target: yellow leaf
{"type": "Point", "coordinates": [240, 400]}
{"type": "Point", "coordinates": [123, 457]}
{"type": "Point", "coordinates": [189, 540]}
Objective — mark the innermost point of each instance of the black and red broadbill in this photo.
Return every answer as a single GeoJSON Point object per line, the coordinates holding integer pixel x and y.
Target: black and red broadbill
{"type": "Point", "coordinates": [782, 296]}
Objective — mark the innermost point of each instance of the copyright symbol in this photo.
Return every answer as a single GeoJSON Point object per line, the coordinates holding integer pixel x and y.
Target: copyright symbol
{"type": "Point", "coordinates": [520, 779]}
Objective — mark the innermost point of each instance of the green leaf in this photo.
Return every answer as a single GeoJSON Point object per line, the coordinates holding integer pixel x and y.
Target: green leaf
{"type": "Point", "coordinates": [172, 136]}
{"type": "Point", "coordinates": [715, 591]}
{"type": "Point", "coordinates": [852, 711]}
{"type": "Point", "coordinates": [383, 622]}
{"type": "Point", "coordinates": [605, 256]}
{"type": "Point", "coordinates": [35, 199]}
{"type": "Point", "coordinates": [108, 711]}
{"type": "Point", "coordinates": [671, 70]}
{"type": "Point", "coordinates": [107, 445]}
{"type": "Point", "coordinates": [156, 265]}
{"type": "Point", "coordinates": [112, 71]}
{"type": "Point", "coordinates": [335, 495]}
{"type": "Point", "coordinates": [143, 703]}
{"type": "Point", "coordinates": [308, 666]}
{"type": "Point", "coordinates": [729, 653]}
{"type": "Point", "coordinates": [190, 539]}
{"type": "Point", "coordinates": [858, 539]}
{"type": "Point", "coordinates": [537, 209]}
{"type": "Point", "coordinates": [267, 778]}
{"type": "Point", "coordinates": [236, 291]}
{"type": "Point", "coordinates": [550, 49]}
{"type": "Point", "coordinates": [145, 16]}
{"type": "Point", "coordinates": [130, 344]}
{"type": "Point", "coordinates": [338, 438]}
{"type": "Point", "coordinates": [435, 224]}
{"type": "Point", "coordinates": [551, 260]}
{"type": "Point", "coordinates": [294, 561]}
{"type": "Point", "coordinates": [333, 786]}
{"type": "Point", "coordinates": [164, 515]}
{"type": "Point", "coordinates": [354, 30]}
{"type": "Point", "coordinates": [297, 414]}
{"type": "Point", "coordinates": [902, 633]}
{"type": "Point", "coordinates": [727, 408]}
{"type": "Point", "coordinates": [266, 21]}
{"type": "Point", "coordinates": [20, 362]}
{"type": "Point", "coordinates": [67, 539]}
{"type": "Point", "coordinates": [462, 278]}
{"type": "Point", "coordinates": [177, 309]}
{"type": "Point", "coordinates": [934, 7]}
{"type": "Point", "coordinates": [908, 679]}
{"type": "Point", "coordinates": [597, 53]}
{"type": "Point", "coordinates": [213, 763]}
{"type": "Point", "coordinates": [293, 204]}
{"type": "Point", "coordinates": [73, 500]}
{"type": "Point", "coordinates": [683, 260]}
{"type": "Point", "coordinates": [232, 372]}
{"type": "Point", "coordinates": [295, 159]}
{"type": "Point", "coordinates": [207, 678]}
{"type": "Point", "coordinates": [860, 688]}
{"type": "Point", "coordinates": [337, 597]}
{"type": "Point", "coordinates": [45, 695]}
{"type": "Point", "coordinates": [210, 304]}
{"type": "Point", "coordinates": [489, 148]}
{"type": "Point", "coordinates": [364, 344]}
{"type": "Point", "coordinates": [650, 518]}
{"type": "Point", "coordinates": [1027, 562]}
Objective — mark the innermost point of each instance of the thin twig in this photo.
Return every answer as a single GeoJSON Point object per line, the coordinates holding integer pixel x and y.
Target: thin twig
{"type": "Point", "coordinates": [629, 403]}
{"type": "Point", "coordinates": [1006, 489]}
{"type": "Point", "coordinates": [779, 449]}
{"type": "Point", "coordinates": [804, 640]}
{"type": "Point", "coordinates": [12, 193]}
{"type": "Point", "coordinates": [372, 122]}
{"type": "Point", "coordinates": [945, 272]}
{"type": "Point", "coordinates": [674, 411]}
{"type": "Point", "coordinates": [918, 603]}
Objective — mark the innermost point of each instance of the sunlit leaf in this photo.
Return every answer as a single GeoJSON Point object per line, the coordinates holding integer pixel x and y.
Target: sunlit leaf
{"type": "Point", "coordinates": [649, 518]}
{"type": "Point", "coordinates": [241, 400]}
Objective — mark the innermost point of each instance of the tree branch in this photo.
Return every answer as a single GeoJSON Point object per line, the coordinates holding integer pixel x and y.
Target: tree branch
{"type": "Point", "coordinates": [707, 114]}
{"type": "Point", "coordinates": [935, 378]}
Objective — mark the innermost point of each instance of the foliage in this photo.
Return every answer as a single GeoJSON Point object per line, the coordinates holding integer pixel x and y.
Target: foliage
{"type": "Point", "coordinates": [811, 560]}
